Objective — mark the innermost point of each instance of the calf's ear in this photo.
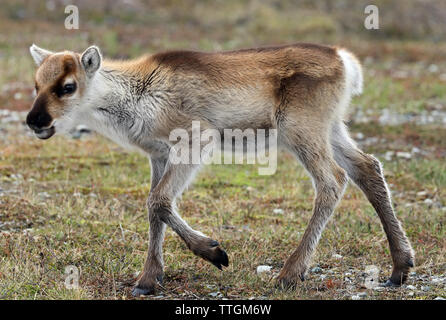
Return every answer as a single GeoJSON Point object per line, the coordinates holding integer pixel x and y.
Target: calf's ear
{"type": "Point", "coordinates": [91, 60]}
{"type": "Point", "coordinates": [39, 54]}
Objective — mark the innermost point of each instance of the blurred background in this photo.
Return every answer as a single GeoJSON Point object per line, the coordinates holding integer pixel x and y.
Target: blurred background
{"type": "Point", "coordinates": [81, 200]}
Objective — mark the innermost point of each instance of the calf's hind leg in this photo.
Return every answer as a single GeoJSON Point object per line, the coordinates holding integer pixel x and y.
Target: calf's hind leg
{"type": "Point", "coordinates": [329, 181]}
{"type": "Point", "coordinates": [365, 170]}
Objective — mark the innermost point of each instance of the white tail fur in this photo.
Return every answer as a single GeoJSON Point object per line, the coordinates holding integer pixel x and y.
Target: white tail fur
{"type": "Point", "coordinates": [353, 72]}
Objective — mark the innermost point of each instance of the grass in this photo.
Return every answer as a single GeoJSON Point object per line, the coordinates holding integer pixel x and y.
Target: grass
{"type": "Point", "coordinates": [82, 202]}
{"type": "Point", "coordinates": [87, 209]}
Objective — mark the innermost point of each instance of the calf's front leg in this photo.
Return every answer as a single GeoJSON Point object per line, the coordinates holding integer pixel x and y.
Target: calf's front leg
{"type": "Point", "coordinates": [161, 205]}
{"type": "Point", "coordinates": [153, 267]}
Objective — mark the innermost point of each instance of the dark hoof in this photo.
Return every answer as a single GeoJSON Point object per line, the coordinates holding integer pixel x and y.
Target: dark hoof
{"type": "Point", "coordinates": [220, 258]}
{"type": "Point", "coordinates": [137, 292]}
{"type": "Point", "coordinates": [390, 284]}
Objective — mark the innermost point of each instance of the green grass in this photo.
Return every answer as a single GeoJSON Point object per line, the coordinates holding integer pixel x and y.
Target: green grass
{"type": "Point", "coordinates": [95, 219]}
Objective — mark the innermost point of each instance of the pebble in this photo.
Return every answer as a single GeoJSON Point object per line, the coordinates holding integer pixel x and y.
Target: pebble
{"type": "Point", "coordinates": [436, 280]}
{"type": "Point", "coordinates": [211, 286]}
{"type": "Point", "coordinates": [425, 288]}
{"type": "Point", "coordinates": [359, 136]}
{"type": "Point", "coordinates": [356, 297]}
{"type": "Point", "coordinates": [44, 195]}
{"type": "Point", "coordinates": [411, 287]}
{"type": "Point", "coordinates": [388, 156]}
{"type": "Point", "coordinates": [278, 211]}
{"type": "Point", "coordinates": [337, 256]}
{"type": "Point", "coordinates": [405, 155]}
{"type": "Point", "coordinates": [263, 269]}
{"type": "Point", "coordinates": [215, 294]}
{"type": "Point", "coordinates": [379, 288]}
{"type": "Point", "coordinates": [439, 298]}
{"type": "Point", "coordinates": [422, 193]}
{"type": "Point", "coordinates": [316, 270]}
{"type": "Point", "coordinates": [433, 68]}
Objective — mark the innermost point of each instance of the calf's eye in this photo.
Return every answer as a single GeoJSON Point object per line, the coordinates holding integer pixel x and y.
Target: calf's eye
{"type": "Point", "coordinates": [69, 88]}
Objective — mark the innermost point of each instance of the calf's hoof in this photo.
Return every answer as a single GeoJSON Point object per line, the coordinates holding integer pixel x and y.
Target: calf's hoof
{"type": "Point", "coordinates": [145, 286]}
{"type": "Point", "coordinates": [220, 258]}
{"type": "Point", "coordinates": [210, 250]}
{"type": "Point", "coordinates": [143, 291]}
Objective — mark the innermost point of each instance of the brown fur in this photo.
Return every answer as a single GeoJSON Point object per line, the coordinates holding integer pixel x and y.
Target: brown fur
{"type": "Point", "coordinates": [50, 79]}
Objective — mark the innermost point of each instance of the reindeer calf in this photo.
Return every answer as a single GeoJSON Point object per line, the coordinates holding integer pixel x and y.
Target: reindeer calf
{"type": "Point", "coordinates": [301, 90]}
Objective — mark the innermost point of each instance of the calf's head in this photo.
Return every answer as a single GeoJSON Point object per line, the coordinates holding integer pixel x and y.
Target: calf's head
{"type": "Point", "coordinates": [61, 82]}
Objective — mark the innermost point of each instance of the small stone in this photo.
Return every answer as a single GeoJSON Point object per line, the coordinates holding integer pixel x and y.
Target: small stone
{"type": "Point", "coordinates": [215, 294]}
{"type": "Point", "coordinates": [44, 195]}
{"type": "Point", "coordinates": [337, 256]}
{"type": "Point", "coordinates": [422, 193]}
{"type": "Point", "coordinates": [439, 298]}
{"type": "Point", "coordinates": [411, 294]}
{"type": "Point", "coordinates": [436, 280]}
{"type": "Point", "coordinates": [388, 156]}
{"type": "Point", "coordinates": [359, 136]}
{"type": "Point", "coordinates": [362, 294]}
{"type": "Point", "coordinates": [433, 68]}
{"type": "Point", "coordinates": [316, 270]}
{"type": "Point", "coordinates": [405, 155]}
{"type": "Point", "coordinates": [428, 201]}
{"type": "Point", "coordinates": [278, 211]}
{"type": "Point", "coordinates": [411, 287]}
{"type": "Point", "coordinates": [356, 297]}
{"type": "Point", "coordinates": [263, 269]}
{"type": "Point", "coordinates": [378, 288]}
{"type": "Point", "coordinates": [425, 288]}
{"type": "Point", "coordinates": [211, 286]}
